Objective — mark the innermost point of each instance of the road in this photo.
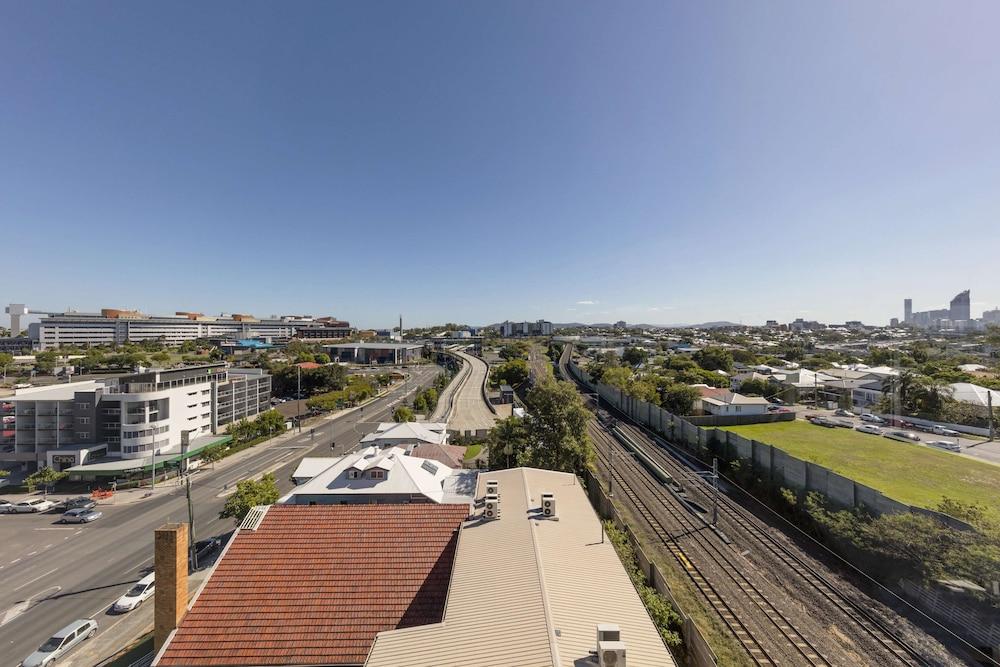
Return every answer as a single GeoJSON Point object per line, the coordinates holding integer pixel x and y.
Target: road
{"type": "Point", "coordinates": [55, 574]}
{"type": "Point", "coordinates": [470, 412]}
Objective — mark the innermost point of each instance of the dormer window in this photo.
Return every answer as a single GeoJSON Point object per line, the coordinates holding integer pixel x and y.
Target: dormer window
{"type": "Point", "coordinates": [377, 474]}
{"type": "Point", "coordinates": [353, 473]}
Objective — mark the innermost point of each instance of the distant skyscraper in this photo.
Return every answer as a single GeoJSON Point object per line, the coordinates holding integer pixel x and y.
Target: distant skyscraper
{"type": "Point", "coordinates": [960, 308]}
{"type": "Point", "coordinates": [908, 310]}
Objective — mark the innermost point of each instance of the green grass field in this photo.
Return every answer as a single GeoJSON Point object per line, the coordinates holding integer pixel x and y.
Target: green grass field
{"type": "Point", "coordinates": [913, 474]}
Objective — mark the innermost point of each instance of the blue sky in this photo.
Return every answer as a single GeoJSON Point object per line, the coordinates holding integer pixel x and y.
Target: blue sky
{"type": "Point", "coordinates": [473, 161]}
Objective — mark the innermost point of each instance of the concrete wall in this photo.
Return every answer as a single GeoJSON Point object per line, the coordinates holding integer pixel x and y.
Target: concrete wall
{"type": "Point", "coordinates": [773, 463]}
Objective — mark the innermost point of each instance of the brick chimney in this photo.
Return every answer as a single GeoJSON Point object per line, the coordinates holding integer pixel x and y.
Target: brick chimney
{"type": "Point", "coordinates": [170, 559]}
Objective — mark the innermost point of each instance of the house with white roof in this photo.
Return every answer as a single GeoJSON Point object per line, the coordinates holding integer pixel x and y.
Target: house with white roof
{"type": "Point", "coordinates": [379, 475]}
{"type": "Point", "coordinates": [975, 395]}
{"type": "Point", "coordinates": [392, 434]}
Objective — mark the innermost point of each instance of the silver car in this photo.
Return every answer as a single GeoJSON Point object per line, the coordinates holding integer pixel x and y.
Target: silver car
{"type": "Point", "coordinates": [81, 516]}
{"type": "Point", "coordinates": [61, 643]}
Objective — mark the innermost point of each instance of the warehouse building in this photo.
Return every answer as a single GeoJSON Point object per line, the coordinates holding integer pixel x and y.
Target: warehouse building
{"type": "Point", "coordinates": [375, 353]}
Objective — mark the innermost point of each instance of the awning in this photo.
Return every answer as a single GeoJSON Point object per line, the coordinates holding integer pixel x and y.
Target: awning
{"type": "Point", "coordinates": [115, 467]}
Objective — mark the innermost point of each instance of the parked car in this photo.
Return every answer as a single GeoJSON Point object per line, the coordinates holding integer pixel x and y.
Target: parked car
{"type": "Point", "coordinates": [139, 593]}
{"type": "Point", "coordinates": [871, 419]}
{"type": "Point", "coordinates": [900, 423]}
{"type": "Point", "coordinates": [843, 423]}
{"type": "Point", "coordinates": [6, 507]}
{"type": "Point", "coordinates": [823, 421]}
{"type": "Point", "coordinates": [903, 436]}
{"type": "Point", "coordinates": [81, 516]}
{"type": "Point", "coordinates": [203, 549]}
{"type": "Point", "coordinates": [78, 503]}
{"type": "Point", "coordinates": [869, 428]}
{"type": "Point", "coordinates": [941, 430]}
{"type": "Point", "coordinates": [841, 412]}
{"type": "Point", "coordinates": [33, 505]}
{"type": "Point", "coordinates": [61, 643]}
{"type": "Point", "coordinates": [950, 445]}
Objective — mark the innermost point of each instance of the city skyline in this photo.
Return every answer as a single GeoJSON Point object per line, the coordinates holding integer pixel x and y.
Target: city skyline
{"type": "Point", "coordinates": [573, 162]}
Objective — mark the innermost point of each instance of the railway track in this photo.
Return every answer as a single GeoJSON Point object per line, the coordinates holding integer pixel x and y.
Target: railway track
{"type": "Point", "coordinates": [736, 516]}
{"type": "Point", "coordinates": [652, 500]}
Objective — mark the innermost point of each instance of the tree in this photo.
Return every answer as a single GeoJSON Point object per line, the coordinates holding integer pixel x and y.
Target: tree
{"type": "Point", "coordinates": [322, 358]}
{"type": "Point", "coordinates": [513, 372]}
{"type": "Point", "coordinates": [557, 428]}
{"type": "Point", "coordinates": [403, 414]}
{"type": "Point", "coordinates": [160, 357]}
{"type": "Point", "coordinates": [44, 476]}
{"type": "Point", "coordinates": [755, 387]}
{"type": "Point", "coordinates": [6, 359]}
{"type": "Point", "coordinates": [518, 350]}
{"type": "Point", "coordinates": [679, 398]}
{"type": "Point", "coordinates": [633, 356]}
{"type": "Point", "coordinates": [714, 359]}
{"type": "Point", "coordinates": [617, 377]}
{"type": "Point", "coordinates": [643, 390]}
{"type": "Point", "coordinates": [419, 404]}
{"type": "Point", "coordinates": [249, 494]}
{"type": "Point", "coordinates": [507, 443]}
{"type": "Point", "coordinates": [45, 362]}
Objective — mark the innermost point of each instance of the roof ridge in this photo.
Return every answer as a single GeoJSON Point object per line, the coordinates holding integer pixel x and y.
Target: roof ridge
{"type": "Point", "coordinates": [536, 548]}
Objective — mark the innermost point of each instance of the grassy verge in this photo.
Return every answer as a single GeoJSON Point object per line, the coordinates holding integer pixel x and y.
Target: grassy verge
{"type": "Point", "coordinates": [727, 649]}
{"type": "Point", "coordinates": [913, 474]}
{"type": "Point", "coordinates": [472, 451]}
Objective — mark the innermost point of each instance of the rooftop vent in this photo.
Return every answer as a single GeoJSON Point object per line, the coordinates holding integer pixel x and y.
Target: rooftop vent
{"type": "Point", "coordinates": [492, 487]}
{"type": "Point", "coordinates": [429, 466]}
{"type": "Point", "coordinates": [253, 518]}
{"type": "Point", "coordinates": [610, 648]}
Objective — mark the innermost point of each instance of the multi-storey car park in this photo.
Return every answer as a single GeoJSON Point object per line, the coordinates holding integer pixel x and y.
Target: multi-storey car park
{"type": "Point", "coordinates": [131, 417]}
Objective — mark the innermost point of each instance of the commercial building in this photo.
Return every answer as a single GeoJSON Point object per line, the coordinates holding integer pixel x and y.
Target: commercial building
{"type": "Point", "coordinates": [115, 327]}
{"type": "Point", "coordinates": [375, 353]}
{"type": "Point", "coordinates": [958, 315]}
{"type": "Point", "coordinates": [515, 583]}
{"type": "Point", "coordinates": [510, 329]}
{"type": "Point", "coordinates": [960, 307]}
{"type": "Point", "coordinates": [132, 417]}
{"type": "Point", "coordinates": [16, 345]}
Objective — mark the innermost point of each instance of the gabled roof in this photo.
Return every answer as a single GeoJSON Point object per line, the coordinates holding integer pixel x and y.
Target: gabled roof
{"type": "Point", "coordinates": [450, 455]}
{"type": "Point", "coordinates": [309, 467]}
{"type": "Point", "coordinates": [405, 476]}
{"type": "Point", "coordinates": [424, 432]}
{"type": "Point", "coordinates": [539, 602]}
{"type": "Point", "coordinates": [966, 392]}
{"type": "Point", "coordinates": [314, 585]}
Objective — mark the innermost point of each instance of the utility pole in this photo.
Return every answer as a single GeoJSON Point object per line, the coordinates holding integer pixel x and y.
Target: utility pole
{"type": "Point", "coordinates": [715, 494]}
{"type": "Point", "coordinates": [152, 481]}
{"type": "Point", "coordinates": [989, 409]}
{"type": "Point", "coordinates": [191, 538]}
{"type": "Point", "coordinates": [298, 398]}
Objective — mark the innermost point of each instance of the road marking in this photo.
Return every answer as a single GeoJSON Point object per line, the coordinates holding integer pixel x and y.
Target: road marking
{"type": "Point", "coordinates": [22, 607]}
{"type": "Point", "coordinates": [58, 528]}
{"type": "Point", "coordinates": [32, 553]}
{"type": "Point", "coordinates": [16, 560]}
{"type": "Point", "coordinates": [31, 581]}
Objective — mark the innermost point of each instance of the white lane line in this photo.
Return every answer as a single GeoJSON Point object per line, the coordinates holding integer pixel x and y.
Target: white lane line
{"type": "Point", "coordinates": [31, 581]}
{"type": "Point", "coordinates": [141, 564]}
{"type": "Point", "coordinates": [47, 546]}
{"type": "Point", "coordinates": [32, 553]}
{"type": "Point", "coordinates": [57, 528]}
{"type": "Point", "coordinates": [16, 560]}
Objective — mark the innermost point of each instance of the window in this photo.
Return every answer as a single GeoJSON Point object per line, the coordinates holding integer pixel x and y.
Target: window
{"type": "Point", "coordinates": [83, 406]}
{"type": "Point", "coordinates": [353, 474]}
{"type": "Point", "coordinates": [84, 420]}
{"type": "Point", "coordinates": [377, 474]}
{"type": "Point", "coordinates": [83, 435]}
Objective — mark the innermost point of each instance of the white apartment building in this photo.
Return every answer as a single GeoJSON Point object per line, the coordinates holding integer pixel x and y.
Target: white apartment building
{"type": "Point", "coordinates": [132, 417]}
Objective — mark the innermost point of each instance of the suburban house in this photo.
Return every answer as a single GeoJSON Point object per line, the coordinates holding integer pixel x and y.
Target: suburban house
{"type": "Point", "coordinates": [723, 402]}
{"type": "Point", "coordinates": [301, 585]}
{"type": "Point", "coordinates": [973, 394]}
{"type": "Point", "coordinates": [527, 580]}
{"type": "Point", "coordinates": [403, 434]}
{"type": "Point", "coordinates": [379, 475]}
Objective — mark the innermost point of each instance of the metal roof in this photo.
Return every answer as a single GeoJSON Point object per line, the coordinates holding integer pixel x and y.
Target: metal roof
{"type": "Point", "coordinates": [529, 592]}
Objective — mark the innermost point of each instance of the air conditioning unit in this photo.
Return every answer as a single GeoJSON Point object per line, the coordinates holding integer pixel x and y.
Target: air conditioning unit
{"type": "Point", "coordinates": [608, 632]}
{"type": "Point", "coordinates": [549, 505]}
{"type": "Point", "coordinates": [491, 507]}
{"type": "Point", "coordinates": [611, 654]}
{"type": "Point", "coordinates": [492, 487]}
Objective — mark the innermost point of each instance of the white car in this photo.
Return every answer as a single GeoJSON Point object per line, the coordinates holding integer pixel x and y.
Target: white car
{"type": "Point", "coordinates": [81, 515]}
{"type": "Point", "coordinates": [869, 428]}
{"type": "Point", "coordinates": [6, 507]}
{"type": "Point", "coordinates": [143, 590]}
{"type": "Point", "coordinates": [871, 419]}
{"type": "Point", "coordinates": [941, 430]}
{"type": "Point", "coordinates": [33, 505]}
{"type": "Point", "coordinates": [61, 643]}
{"type": "Point", "coordinates": [945, 444]}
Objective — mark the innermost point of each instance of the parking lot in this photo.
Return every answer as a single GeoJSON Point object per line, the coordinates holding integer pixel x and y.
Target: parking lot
{"type": "Point", "coordinates": [969, 446]}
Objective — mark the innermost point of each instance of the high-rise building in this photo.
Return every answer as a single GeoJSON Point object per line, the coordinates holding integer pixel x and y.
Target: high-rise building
{"type": "Point", "coordinates": [908, 310]}
{"type": "Point", "coordinates": [960, 308]}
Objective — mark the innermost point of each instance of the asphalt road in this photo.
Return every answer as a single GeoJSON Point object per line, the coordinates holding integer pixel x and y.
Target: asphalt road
{"type": "Point", "coordinates": [471, 412]}
{"type": "Point", "coordinates": [53, 574]}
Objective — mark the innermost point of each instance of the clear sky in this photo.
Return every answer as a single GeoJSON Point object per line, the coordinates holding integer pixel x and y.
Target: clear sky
{"type": "Point", "coordinates": [474, 161]}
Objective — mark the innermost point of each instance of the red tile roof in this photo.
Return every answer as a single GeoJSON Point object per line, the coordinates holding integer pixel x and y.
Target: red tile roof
{"type": "Point", "coordinates": [313, 585]}
{"type": "Point", "coordinates": [308, 365]}
{"type": "Point", "coordinates": [450, 455]}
